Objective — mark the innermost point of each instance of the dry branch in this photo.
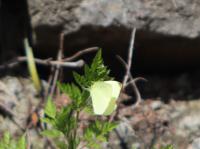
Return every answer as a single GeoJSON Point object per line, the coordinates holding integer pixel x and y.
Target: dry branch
{"type": "Point", "coordinates": [49, 62]}
{"type": "Point", "coordinates": [127, 66]}
{"type": "Point", "coordinates": [82, 52]}
{"type": "Point", "coordinates": [45, 62]}
{"type": "Point", "coordinates": [57, 68]}
{"type": "Point", "coordinates": [132, 82]}
{"type": "Point", "coordinates": [130, 56]}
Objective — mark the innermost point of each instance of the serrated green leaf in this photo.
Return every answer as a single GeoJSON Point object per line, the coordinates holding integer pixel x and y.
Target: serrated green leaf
{"type": "Point", "coordinates": [9, 143]}
{"type": "Point", "coordinates": [50, 108]}
{"type": "Point", "coordinates": [77, 96]}
{"type": "Point", "coordinates": [63, 119]}
{"type": "Point", "coordinates": [6, 138]}
{"type": "Point", "coordinates": [21, 144]}
{"type": "Point", "coordinates": [88, 110]}
{"type": "Point", "coordinates": [168, 147]}
{"type": "Point", "coordinates": [80, 80]}
{"type": "Point", "coordinates": [48, 121]}
{"type": "Point", "coordinates": [97, 61]}
{"type": "Point", "coordinates": [86, 69]}
{"type": "Point", "coordinates": [53, 133]}
{"type": "Point", "coordinates": [97, 132]}
{"type": "Point", "coordinates": [95, 72]}
{"type": "Point", "coordinates": [107, 127]}
{"type": "Point", "coordinates": [61, 144]}
{"type": "Point", "coordinates": [71, 90]}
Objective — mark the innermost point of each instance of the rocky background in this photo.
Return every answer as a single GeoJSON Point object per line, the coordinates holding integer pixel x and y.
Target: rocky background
{"type": "Point", "coordinates": [152, 123]}
{"type": "Point", "coordinates": [167, 31]}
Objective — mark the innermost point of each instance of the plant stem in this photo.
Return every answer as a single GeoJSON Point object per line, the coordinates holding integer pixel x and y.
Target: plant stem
{"type": "Point", "coordinates": [75, 130]}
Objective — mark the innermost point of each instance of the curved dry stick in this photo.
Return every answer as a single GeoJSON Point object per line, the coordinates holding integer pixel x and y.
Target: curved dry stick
{"type": "Point", "coordinates": [130, 56]}
{"type": "Point", "coordinates": [79, 53]}
{"type": "Point", "coordinates": [132, 82]}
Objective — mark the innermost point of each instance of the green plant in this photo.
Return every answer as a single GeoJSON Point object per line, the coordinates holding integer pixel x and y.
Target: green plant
{"type": "Point", "coordinates": [7, 142]}
{"type": "Point", "coordinates": [64, 123]}
{"type": "Point", "coordinates": [168, 147]}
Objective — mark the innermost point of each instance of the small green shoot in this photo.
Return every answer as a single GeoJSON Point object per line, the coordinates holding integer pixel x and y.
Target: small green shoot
{"type": "Point", "coordinates": [6, 142]}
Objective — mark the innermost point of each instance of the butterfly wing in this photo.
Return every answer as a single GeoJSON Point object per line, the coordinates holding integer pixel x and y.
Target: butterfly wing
{"type": "Point", "coordinates": [116, 88]}
{"type": "Point", "coordinates": [101, 94]}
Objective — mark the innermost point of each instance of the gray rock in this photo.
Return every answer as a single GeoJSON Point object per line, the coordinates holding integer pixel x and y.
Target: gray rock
{"type": "Point", "coordinates": [136, 146]}
{"type": "Point", "coordinates": [191, 122]}
{"type": "Point", "coordinates": [125, 130]}
{"type": "Point", "coordinates": [17, 94]}
{"type": "Point", "coordinates": [188, 123]}
{"type": "Point", "coordinates": [167, 17]}
{"type": "Point", "coordinates": [196, 144]}
{"type": "Point", "coordinates": [164, 29]}
{"type": "Point", "coordinates": [156, 105]}
{"type": "Point", "coordinates": [124, 136]}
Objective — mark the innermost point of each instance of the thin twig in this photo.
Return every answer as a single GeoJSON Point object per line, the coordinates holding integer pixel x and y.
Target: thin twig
{"type": "Point", "coordinates": [57, 69]}
{"type": "Point", "coordinates": [49, 62]}
{"type": "Point", "coordinates": [50, 78]}
{"type": "Point", "coordinates": [132, 82]}
{"type": "Point", "coordinates": [78, 63]}
{"type": "Point", "coordinates": [82, 52]}
{"type": "Point", "coordinates": [128, 68]}
{"type": "Point", "coordinates": [130, 55]}
{"type": "Point", "coordinates": [61, 46]}
{"type": "Point", "coordinates": [45, 62]}
{"type": "Point", "coordinates": [49, 143]}
{"type": "Point", "coordinates": [28, 140]}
